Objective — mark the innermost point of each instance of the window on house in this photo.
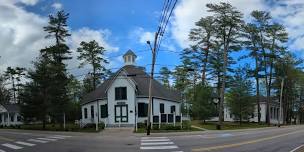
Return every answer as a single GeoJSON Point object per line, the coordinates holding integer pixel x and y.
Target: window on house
{"type": "Point", "coordinates": [12, 118]}
{"type": "Point", "coordinates": [103, 111]}
{"type": "Point", "coordinates": [121, 93]}
{"type": "Point", "coordinates": [142, 109]}
{"type": "Point", "coordinates": [172, 109]}
{"type": "Point", "coordinates": [161, 108]}
{"type": "Point", "coordinates": [92, 111]}
{"type": "Point", "coordinates": [18, 118]}
{"type": "Point", "coordinates": [85, 113]}
{"type": "Point", "coordinates": [0, 118]}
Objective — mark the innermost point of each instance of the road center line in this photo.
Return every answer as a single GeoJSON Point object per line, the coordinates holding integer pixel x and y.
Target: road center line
{"type": "Point", "coordinates": [244, 143]}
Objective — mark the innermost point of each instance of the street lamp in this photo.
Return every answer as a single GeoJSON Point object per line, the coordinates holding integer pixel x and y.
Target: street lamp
{"type": "Point", "coordinates": [216, 100]}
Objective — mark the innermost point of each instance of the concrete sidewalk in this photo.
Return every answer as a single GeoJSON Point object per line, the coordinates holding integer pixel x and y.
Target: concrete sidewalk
{"type": "Point", "coordinates": [123, 131]}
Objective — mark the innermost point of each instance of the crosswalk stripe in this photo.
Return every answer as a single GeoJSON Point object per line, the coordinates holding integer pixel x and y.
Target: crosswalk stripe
{"type": "Point", "coordinates": [157, 143]}
{"type": "Point", "coordinates": [47, 139]}
{"type": "Point", "coordinates": [155, 140]}
{"type": "Point", "coordinates": [38, 141]}
{"type": "Point", "coordinates": [146, 138]}
{"type": "Point", "coordinates": [158, 147]}
{"type": "Point", "coordinates": [56, 137]}
{"type": "Point", "coordinates": [2, 150]}
{"type": "Point", "coordinates": [12, 146]}
{"type": "Point", "coordinates": [64, 136]}
{"type": "Point", "coordinates": [24, 143]}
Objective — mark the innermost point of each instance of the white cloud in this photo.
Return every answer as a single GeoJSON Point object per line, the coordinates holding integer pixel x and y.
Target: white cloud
{"type": "Point", "coordinates": [287, 12]}
{"type": "Point", "coordinates": [291, 14]}
{"type": "Point", "coordinates": [87, 34]}
{"type": "Point", "coordinates": [141, 35]}
{"type": "Point", "coordinates": [30, 2]}
{"type": "Point", "coordinates": [57, 6]}
{"type": "Point", "coordinates": [22, 36]}
{"type": "Point", "coordinates": [187, 12]}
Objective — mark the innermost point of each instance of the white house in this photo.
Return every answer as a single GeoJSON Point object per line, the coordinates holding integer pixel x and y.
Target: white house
{"type": "Point", "coordinates": [274, 112]}
{"type": "Point", "coordinates": [10, 115]}
{"type": "Point", "coordinates": [123, 98]}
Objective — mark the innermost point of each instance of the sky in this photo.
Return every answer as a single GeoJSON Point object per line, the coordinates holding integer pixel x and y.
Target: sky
{"type": "Point", "coordinates": [120, 25]}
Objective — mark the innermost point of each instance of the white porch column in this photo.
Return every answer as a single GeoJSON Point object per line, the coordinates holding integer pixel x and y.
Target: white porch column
{"type": "Point", "coordinates": [8, 118]}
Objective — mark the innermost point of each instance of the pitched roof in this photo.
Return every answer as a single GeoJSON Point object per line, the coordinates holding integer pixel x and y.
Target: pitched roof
{"type": "Point", "coordinates": [141, 78]}
{"type": "Point", "coordinates": [12, 107]}
{"type": "Point", "coordinates": [130, 52]}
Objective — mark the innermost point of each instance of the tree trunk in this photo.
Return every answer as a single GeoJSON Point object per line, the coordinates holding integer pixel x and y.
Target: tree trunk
{"type": "Point", "coordinates": [257, 89]}
{"type": "Point", "coordinates": [43, 123]}
{"type": "Point", "coordinates": [205, 63]}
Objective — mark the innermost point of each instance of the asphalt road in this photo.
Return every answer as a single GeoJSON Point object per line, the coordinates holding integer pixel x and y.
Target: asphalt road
{"type": "Point", "coordinates": [285, 139]}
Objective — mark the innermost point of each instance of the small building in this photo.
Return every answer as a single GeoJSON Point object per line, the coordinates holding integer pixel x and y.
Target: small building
{"type": "Point", "coordinates": [10, 115]}
{"type": "Point", "coordinates": [123, 98]}
{"type": "Point", "coordinates": [274, 112]}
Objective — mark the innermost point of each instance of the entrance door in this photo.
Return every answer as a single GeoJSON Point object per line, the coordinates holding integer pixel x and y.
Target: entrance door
{"type": "Point", "coordinates": [121, 113]}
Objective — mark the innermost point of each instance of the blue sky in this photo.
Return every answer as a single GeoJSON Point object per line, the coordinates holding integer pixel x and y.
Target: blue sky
{"type": "Point", "coordinates": [119, 25]}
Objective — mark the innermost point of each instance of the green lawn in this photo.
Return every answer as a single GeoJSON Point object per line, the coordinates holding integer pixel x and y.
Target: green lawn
{"type": "Point", "coordinates": [227, 125]}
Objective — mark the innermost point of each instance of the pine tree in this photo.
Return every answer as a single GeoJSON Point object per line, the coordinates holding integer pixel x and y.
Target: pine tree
{"type": "Point", "coordinates": [239, 99]}
{"type": "Point", "coordinates": [202, 36]}
{"type": "Point", "coordinates": [251, 42]}
{"type": "Point", "coordinates": [165, 76]}
{"type": "Point", "coordinates": [58, 53]}
{"type": "Point", "coordinates": [227, 21]}
{"type": "Point", "coordinates": [4, 92]}
{"type": "Point", "coordinates": [93, 54]}
{"type": "Point", "coordinates": [36, 98]}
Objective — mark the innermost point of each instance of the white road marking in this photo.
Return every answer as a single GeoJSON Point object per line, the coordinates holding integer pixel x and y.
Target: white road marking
{"type": "Point", "coordinates": [158, 147]}
{"type": "Point", "coordinates": [38, 141]}
{"type": "Point", "coordinates": [12, 146]}
{"type": "Point", "coordinates": [54, 137]}
{"type": "Point", "coordinates": [294, 150]}
{"type": "Point", "coordinates": [47, 139]}
{"type": "Point", "coordinates": [146, 138]}
{"type": "Point", "coordinates": [154, 140]}
{"type": "Point", "coordinates": [24, 143]}
{"type": "Point", "coordinates": [157, 143]}
{"type": "Point", "coordinates": [64, 136]}
{"type": "Point", "coordinates": [2, 150]}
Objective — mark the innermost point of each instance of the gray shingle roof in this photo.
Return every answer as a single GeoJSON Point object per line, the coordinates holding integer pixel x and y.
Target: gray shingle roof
{"type": "Point", "coordinates": [141, 78]}
{"type": "Point", "coordinates": [12, 107]}
{"type": "Point", "coordinates": [130, 52]}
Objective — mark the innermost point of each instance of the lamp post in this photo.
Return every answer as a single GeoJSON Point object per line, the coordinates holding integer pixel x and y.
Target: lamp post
{"type": "Point", "coordinates": [216, 100]}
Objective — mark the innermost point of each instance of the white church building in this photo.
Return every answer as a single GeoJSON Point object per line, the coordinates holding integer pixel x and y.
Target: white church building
{"type": "Point", "coordinates": [273, 112]}
{"type": "Point", "coordinates": [123, 98]}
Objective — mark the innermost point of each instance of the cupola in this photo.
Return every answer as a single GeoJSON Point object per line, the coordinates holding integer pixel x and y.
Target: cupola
{"type": "Point", "coordinates": [129, 57]}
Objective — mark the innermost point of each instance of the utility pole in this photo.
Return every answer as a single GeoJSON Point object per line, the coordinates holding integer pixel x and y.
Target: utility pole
{"type": "Point", "coordinates": [281, 97]}
{"type": "Point", "coordinates": [151, 79]}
